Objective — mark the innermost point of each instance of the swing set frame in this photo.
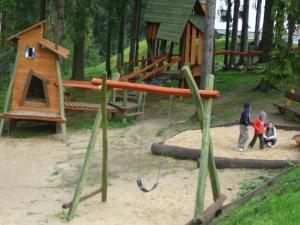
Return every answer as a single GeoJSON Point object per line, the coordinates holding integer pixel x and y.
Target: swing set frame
{"type": "Point", "coordinates": [203, 103]}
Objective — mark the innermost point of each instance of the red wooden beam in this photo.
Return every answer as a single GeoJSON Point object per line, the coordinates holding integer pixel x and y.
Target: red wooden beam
{"type": "Point", "coordinates": [79, 84]}
{"type": "Point", "coordinates": [156, 89]}
{"type": "Point", "coordinates": [137, 73]}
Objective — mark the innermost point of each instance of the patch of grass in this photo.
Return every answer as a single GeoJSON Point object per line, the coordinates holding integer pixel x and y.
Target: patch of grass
{"type": "Point", "coordinates": [277, 205]}
{"type": "Point", "coordinates": [160, 133]}
{"type": "Point", "coordinates": [248, 186]}
{"type": "Point", "coordinates": [62, 215]}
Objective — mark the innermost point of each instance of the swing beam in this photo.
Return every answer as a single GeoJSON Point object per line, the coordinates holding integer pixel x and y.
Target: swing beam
{"type": "Point", "coordinates": [203, 107]}
{"type": "Point", "coordinates": [156, 89]}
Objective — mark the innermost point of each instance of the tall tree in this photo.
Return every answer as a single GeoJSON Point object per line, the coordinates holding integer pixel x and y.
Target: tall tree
{"type": "Point", "coordinates": [79, 26]}
{"type": "Point", "coordinates": [138, 31]}
{"type": "Point", "coordinates": [109, 39]}
{"type": "Point", "coordinates": [257, 24]}
{"type": "Point", "coordinates": [267, 33]}
{"type": "Point", "coordinates": [60, 19]}
{"type": "Point", "coordinates": [228, 20]}
{"type": "Point", "coordinates": [235, 23]}
{"type": "Point", "coordinates": [209, 36]}
{"type": "Point", "coordinates": [244, 35]}
{"type": "Point", "coordinates": [134, 33]}
{"type": "Point", "coordinates": [122, 10]}
{"type": "Point", "coordinates": [42, 10]}
{"type": "Point", "coordinates": [293, 20]}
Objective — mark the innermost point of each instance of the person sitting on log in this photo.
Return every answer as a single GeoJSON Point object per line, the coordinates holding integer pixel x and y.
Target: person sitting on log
{"type": "Point", "coordinates": [270, 136]}
{"type": "Point", "coordinates": [244, 123]}
{"type": "Point", "coordinates": [259, 130]}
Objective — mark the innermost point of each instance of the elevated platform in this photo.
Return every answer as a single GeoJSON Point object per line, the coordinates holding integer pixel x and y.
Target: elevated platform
{"type": "Point", "coordinates": [83, 106]}
{"type": "Point", "coordinates": [34, 116]}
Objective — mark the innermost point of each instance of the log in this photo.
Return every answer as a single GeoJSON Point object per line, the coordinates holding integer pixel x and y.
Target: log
{"type": "Point", "coordinates": [212, 210]}
{"type": "Point", "coordinates": [221, 162]}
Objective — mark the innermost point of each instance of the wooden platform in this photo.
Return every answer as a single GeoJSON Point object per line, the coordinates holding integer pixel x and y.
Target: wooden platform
{"type": "Point", "coordinates": [83, 106]}
{"type": "Point", "coordinates": [34, 116]}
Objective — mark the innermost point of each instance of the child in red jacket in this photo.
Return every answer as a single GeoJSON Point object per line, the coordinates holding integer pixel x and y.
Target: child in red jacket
{"type": "Point", "coordinates": [259, 130]}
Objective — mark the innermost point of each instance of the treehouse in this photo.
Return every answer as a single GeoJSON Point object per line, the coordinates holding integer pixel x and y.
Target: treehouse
{"type": "Point", "coordinates": [35, 87]}
{"type": "Point", "coordinates": [177, 21]}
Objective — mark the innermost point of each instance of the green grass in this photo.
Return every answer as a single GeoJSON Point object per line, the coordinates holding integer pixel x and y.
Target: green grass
{"type": "Point", "coordinates": [276, 206]}
{"type": "Point", "coordinates": [248, 186]}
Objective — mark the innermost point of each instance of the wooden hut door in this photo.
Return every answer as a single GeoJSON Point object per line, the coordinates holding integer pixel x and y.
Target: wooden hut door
{"type": "Point", "coordinates": [35, 90]}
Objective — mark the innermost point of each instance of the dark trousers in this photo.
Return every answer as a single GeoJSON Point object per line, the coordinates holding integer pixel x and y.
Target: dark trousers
{"type": "Point", "coordinates": [272, 141]}
{"type": "Point", "coordinates": [261, 141]}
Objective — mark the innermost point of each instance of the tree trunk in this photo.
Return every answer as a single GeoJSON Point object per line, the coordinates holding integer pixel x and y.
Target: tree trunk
{"type": "Point", "coordinates": [42, 10]}
{"type": "Point", "coordinates": [235, 24]}
{"type": "Point", "coordinates": [244, 35]}
{"type": "Point", "coordinates": [133, 34]}
{"type": "Point", "coordinates": [109, 41]}
{"type": "Point", "coordinates": [209, 35]}
{"type": "Point", "coordinates": [121, 44]}
{"type": "Point", "coordinates": [59, 27]}
{"type": "Point", "coordinates": [137, 47]}
{"type": "Point", "coordinates": [257, 24]}
{"type": "Point", "coordinates": [291, 29]}
{"type": "Point", "coordinates": [228, 18]}
{"type": "Point", "coordinates": [267, 34]}
{"type": "Point", "coordinates": [78, 58]}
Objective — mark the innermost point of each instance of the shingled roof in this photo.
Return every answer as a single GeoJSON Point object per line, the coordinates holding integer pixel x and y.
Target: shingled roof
{"type": "Point", "coordinates": [172, 16]}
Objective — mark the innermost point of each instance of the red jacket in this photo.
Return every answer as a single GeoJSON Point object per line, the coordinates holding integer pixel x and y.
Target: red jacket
{"type": "Point", "coordinates": [259, 127]}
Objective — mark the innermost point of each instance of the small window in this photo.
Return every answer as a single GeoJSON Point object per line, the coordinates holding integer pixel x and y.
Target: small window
{"type": "Point", "coordinates": [30, 52]}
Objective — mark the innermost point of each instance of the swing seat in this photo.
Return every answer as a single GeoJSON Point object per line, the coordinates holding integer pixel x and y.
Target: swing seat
{"type": "Point", "coordinates": [143, 189]}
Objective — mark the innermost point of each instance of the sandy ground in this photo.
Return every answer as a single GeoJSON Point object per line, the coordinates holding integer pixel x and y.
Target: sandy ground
{"type": "Point", "coordinates": [39, 174]}
{"type": "Point", "coordinates": [225, 141]}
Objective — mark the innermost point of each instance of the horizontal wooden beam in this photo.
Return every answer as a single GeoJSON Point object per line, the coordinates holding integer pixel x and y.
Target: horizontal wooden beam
{"type": "Point", "coordinates": [156, 89]}
{"type": "Point", "coordinates": [251, 53]}
{"type": "Point", "coordinates": [80, 84]}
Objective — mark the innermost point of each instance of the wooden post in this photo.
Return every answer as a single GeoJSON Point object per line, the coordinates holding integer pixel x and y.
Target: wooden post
{"type": "Point", "coordinates": [88, 156]}
{"type": "Point", "coordinates": [9, 91]}
{"type": "Point", "coordinates": [61, 101]}
{"type": "Point", "coordinates": [207, 160]}
{"type": "Point", "coordinates": [104, 139]}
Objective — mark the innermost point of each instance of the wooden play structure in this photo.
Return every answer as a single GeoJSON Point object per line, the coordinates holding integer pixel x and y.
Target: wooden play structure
{"type": "Point", "coordinates": [203, 102]}
{"type": "Point", "coordinates": [168, 23]}
{"type": "Point", "coordinates": [35, 88]}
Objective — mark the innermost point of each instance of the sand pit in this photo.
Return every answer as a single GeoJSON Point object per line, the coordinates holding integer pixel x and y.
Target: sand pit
{"type": "Point", "coordinates": [225, 140]}
{"type": "Point", "coordinates": [38, 175]}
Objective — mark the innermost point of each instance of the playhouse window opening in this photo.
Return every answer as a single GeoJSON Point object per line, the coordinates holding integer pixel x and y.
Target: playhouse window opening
{"type": "Point", "coordinates": [30, 53]}
{"type": "Point", "coordinates": [36, 92]}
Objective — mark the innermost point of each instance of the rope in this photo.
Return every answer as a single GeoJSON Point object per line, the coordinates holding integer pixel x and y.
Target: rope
{"type": "Point", "coordinates": [139, 181]}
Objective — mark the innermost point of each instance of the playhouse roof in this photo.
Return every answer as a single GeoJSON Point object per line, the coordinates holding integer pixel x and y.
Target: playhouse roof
{"type": "Point", "coordinates": [63, 52]}
{"type": "Point", "coordinates": [172, 16]}
{"type": "Point", "coordinates": [16, 37]}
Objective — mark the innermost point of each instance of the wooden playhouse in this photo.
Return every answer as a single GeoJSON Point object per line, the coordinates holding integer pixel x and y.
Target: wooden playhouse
{"type": "Point", "coordinates": [177, 21]}
{"type": "Point", "coordinates": [35, 88]}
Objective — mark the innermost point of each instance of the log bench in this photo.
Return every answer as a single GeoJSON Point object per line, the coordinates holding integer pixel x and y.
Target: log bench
{"type": "Point", "coordinates": [283, 107]}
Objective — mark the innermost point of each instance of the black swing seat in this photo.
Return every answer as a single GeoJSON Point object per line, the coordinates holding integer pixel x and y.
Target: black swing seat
{"type": "Point", "coordinates": [142, 188]}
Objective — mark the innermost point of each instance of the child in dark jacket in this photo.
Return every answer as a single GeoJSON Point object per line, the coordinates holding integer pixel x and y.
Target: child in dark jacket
{"type": "Point", "coordinates": [244, 123]}
{"type": "Point", "coordinates": [259, 130]}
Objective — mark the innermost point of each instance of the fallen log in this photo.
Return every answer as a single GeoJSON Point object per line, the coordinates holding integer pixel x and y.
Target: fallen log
{"type": "Point", "coordinates": [221, 162]}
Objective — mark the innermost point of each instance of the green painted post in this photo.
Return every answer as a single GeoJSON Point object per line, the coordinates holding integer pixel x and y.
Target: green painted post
{"type": "Point", "coordinates": [88, 156]}
{"type": "Point", "coordinates": [61, 101]}
{"type": "Point", "coordinates": [104, 140]}
{"type": "Point", "coordinates": [206, 142]}
{"type": "Point", "coordinates": [9, 91]}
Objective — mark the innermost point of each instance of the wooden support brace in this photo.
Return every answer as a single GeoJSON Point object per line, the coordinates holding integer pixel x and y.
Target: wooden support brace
{"type": "Point", "coordinates": [61, 101]}
{"type": "Point", "coordinates": [9, 91]}
{"type": "Point", "coordinates": [88, 157]}
{"type": "Point", "coordinates": [83, 198]}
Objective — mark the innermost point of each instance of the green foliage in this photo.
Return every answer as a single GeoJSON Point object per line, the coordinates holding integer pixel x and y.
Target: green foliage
{"type": "Point", "coordinates": [248, 186]}
{"type": "Point", "coordinates": [278, 205]}
{"type": "Point", "coordinates": [283, 71]}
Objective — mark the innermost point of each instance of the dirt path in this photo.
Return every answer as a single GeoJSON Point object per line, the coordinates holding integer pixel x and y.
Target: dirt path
{"type": "Point", "coordinates": [39, 174]}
